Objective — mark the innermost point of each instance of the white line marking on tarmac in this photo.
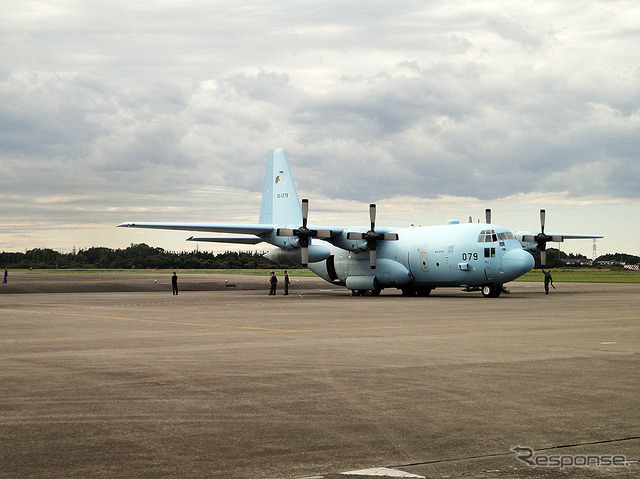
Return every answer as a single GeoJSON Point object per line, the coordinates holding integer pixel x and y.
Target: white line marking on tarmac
{"type": "Point", "coordinates": [381, 471]}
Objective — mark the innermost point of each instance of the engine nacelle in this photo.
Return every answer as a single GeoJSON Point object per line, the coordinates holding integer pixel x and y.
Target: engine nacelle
{"type": "Point", "coordinates": [316, 253]}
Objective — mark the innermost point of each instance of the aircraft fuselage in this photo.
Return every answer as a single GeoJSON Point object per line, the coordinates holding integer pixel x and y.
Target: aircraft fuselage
{"type": "Point", "coordinates": [423, 258]}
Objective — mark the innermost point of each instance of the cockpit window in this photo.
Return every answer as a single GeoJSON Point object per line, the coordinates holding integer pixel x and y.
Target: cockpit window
{"type": "Point", "coordinates": [487, 236]}
{"type": "Point", "coordinates": [490, 236]}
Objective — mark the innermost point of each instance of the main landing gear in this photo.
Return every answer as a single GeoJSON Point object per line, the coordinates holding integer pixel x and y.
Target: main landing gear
{"type": "Point", "coordinates": [366, 292]}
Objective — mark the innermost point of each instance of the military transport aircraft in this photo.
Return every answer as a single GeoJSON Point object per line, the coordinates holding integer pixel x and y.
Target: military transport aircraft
{"type": "Point", "coordinates": [416, 260]}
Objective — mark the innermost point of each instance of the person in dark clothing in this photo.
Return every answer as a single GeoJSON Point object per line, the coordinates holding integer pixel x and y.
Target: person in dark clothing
{"type": "Point", "coordinates": [174, 283]}
{"type": "Point", "coordinates": [6, 274]}
{"type": "Point", "coordinates": [547, 280]}
{"type": "Point", "coordinates": [273, 283]}
{"type": "Point", "coordinates": [286, 283]}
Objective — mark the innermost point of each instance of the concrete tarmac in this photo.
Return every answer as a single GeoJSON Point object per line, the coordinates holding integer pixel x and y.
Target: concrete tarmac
{"type": "Point", "coordinates": [231, 383]}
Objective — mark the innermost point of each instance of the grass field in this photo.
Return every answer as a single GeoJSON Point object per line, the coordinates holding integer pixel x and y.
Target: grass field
{"type": "Point", "coordinates": [583, 275]}
{"type": "Point", "coordinates": [572, 275]}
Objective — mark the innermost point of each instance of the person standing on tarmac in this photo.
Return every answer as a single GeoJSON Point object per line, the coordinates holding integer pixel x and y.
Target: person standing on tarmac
{"type": "Point", "coordinates": [547, 280]}
{"type": "Point", "coordinates": [174, 283]}
{"type": "Point", "coordinates": [286, 283]}
{"type": "Point", "coordinates": [273, 283]}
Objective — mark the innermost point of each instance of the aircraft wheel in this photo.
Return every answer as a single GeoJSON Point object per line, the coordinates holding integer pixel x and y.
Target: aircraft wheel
{"type": "Point", "coordinates": [424, 292]}
{"type": "Point", "coordinates": [374, 292]}
{"type": "Point", "coordinates": [491, 290]}
{"type": "Point", "coordinates": [408, 291]}
{"type": "Point", "coordinates": [355, 292]}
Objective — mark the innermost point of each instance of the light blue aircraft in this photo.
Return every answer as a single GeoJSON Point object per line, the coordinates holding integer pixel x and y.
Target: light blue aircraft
{"type": "Point", "coordinates": [416, 260]}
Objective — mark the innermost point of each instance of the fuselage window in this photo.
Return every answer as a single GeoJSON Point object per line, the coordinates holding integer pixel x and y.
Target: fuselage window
{"type": "Point", "coordinates": [489, 252]}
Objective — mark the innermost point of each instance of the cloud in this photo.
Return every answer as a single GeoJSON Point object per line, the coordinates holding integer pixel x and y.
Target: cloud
{"type": "Point", "coordinates": [151, 106]}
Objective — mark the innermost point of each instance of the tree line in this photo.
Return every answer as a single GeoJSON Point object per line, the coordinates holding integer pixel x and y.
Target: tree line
{"type": "Point", "coordinates": [142, 256]}
{"type": "Point", "coordinates": [139, 256]}
{"type": "Point", "coordinates": [559, 259]}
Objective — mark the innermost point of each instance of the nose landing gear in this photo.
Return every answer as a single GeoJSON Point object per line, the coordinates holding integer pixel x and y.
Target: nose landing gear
{"type": "Point", "coordinates": [491, 290]}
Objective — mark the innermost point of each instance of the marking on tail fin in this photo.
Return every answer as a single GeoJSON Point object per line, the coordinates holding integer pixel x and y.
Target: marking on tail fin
{"type": "Point", "coordinates": [280, 203]}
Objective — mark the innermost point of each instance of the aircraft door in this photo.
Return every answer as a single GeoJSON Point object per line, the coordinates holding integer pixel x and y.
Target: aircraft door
{"type": "Point", "coordinates": [424, 262]}
{"type": "Point", "coordinates": [488, 274]}
{"type": "Point", "coordinates": [489, 259]}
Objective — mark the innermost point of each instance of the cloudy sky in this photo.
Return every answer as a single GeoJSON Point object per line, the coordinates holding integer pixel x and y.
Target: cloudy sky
{"type": "Point", "coordinates": [167, 110]}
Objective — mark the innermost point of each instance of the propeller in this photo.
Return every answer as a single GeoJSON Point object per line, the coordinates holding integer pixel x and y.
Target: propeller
{"type": "Point", "coordinates": [542, 239]}
{"type": "Point", "coordinates": [304, 234]}
{"type": "Point", "coordinates": [372, 237]}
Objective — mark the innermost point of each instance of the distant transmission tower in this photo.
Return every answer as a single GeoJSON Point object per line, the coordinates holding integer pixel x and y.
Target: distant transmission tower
{"type": "Point", "coordinates": [595, 253]}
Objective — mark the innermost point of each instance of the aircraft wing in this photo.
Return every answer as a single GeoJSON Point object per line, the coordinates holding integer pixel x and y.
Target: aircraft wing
{"type": "Point", "coordinates": [228, 239]}
{"type": "Point", "coordinates": [530, 236]}
{"type": "Point", "coordinates": [565, 236]}
{"type": "Point", "coordinates": [256, 229]}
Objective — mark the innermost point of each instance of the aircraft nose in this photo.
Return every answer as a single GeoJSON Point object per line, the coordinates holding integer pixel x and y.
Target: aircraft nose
{"type": "Point", "coordinates": [517, 262]}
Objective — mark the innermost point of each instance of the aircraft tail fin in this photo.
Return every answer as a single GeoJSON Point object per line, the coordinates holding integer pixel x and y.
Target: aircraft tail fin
{"type": "Point", "coordinates": [280, 203]}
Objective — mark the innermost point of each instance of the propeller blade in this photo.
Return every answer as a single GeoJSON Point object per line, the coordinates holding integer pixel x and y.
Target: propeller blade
{"type": "Point", "coordinates": [323, 234]}
{"type": "Point", "coordinates": [487, 213]}
{"type": "Point", "coordinates": [305, 212]}
{"type": "Point", "coordinates": [354, 236]}
{"type": "Point", "coordinates": [528, 238]}
{"type": "Point", "coordinates": [470, 220]}
{"type": "Point", "coordinates": [304, 256]}
{"type": "Point", "coordinates": [372, 258]}
{"type": "Point", "coordinates": [390, 237]}
{"type": "Point", "coordinates": [543, 215]}
{"type": "Point", "coordinates": [543, 257]}
{"type": "Point", "coordinates": [372, 215]}
{"type": "Point", "coordinates": [284, 232]}
{"type": "Point", "coordinates": [557, 239]}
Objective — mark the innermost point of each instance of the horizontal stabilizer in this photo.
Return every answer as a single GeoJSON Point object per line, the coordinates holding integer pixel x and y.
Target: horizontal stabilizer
{"type": "Point", "coordinates": [228, 239]}
{"type": "Point", "coordinates": [217, 228]}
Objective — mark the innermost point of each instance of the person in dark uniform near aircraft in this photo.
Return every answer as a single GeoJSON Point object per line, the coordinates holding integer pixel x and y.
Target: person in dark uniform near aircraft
{"type": "Point", "coordinates": [6, 274]}
{"type": "Point", "coordinates": [547, 280]}
{"type": "Point", "coordinates": [273, 283]}
{"type": "Point", "coordinates": [286, 282]}
{"type": "Point", "coordinates": [174, 283]}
